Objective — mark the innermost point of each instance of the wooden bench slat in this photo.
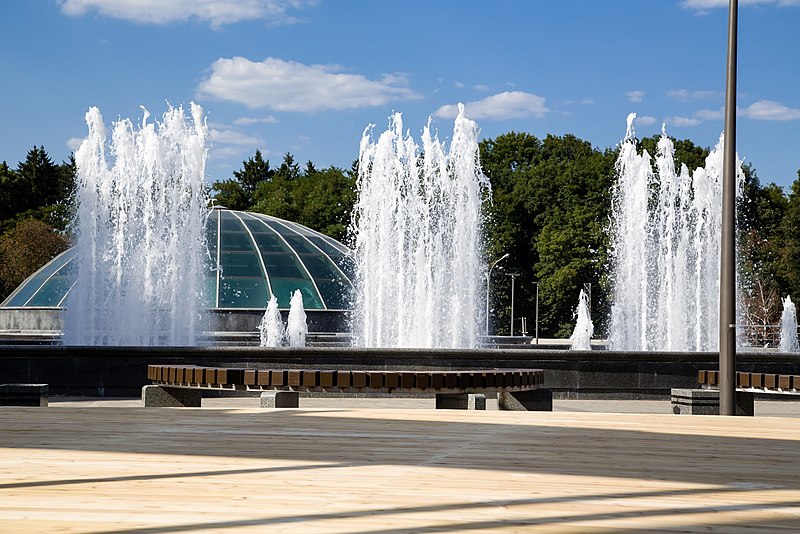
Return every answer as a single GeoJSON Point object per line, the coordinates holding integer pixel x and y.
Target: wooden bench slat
{"type": "Point", "coordinates": [310, 378]}
{"type": "Point", "coordinates": [279, 377]}
{"type": "Point", "coordinates": [344, 379]}
{"type": "Point", "coordinates": [327, 379]}
{"type": "Point", "coordinates": [392, 380]}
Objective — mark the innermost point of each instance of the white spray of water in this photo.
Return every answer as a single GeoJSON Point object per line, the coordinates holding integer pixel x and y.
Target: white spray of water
{"type": "Point", "coordinates": [666, 250]}
{"type": "Point", "coordinates": [140, 232]}
{"type": "Point", "coordinates": [418, 238]}
{"type": "Point", "coordinates": [296, 327]}
{"type": "Point", "coordinates": [789, 341]}
{"type": "Point", "coordinates": [581, 337]}
{"type": "Point", "coordinates": [271, 327]}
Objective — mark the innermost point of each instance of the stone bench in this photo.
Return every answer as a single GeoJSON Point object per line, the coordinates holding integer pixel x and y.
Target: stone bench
{"type": "Point", "coordinates": [24, 394]}
{"type": "Point", "coordinates": [182, 385]}
{"type": "Point", "coordinates": [705, 401]}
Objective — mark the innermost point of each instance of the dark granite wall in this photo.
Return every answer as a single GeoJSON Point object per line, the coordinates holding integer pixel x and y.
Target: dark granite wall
{"type": "Point", "coordinates": [121, 371]}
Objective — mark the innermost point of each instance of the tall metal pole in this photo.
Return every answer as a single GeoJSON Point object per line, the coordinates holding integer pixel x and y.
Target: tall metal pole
{"type": "Point", "coordinates": [513, 277]}
{"type": "Point", "coordinates": [488, 275]}
{"type": "Point", "coordinates": [537, 313]}
{"type": "Point", "coordinates": [727, 276]}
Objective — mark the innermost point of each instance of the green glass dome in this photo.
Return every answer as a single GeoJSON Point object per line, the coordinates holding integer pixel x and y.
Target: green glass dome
{"type": "Point", "coordinates": [250, 256]}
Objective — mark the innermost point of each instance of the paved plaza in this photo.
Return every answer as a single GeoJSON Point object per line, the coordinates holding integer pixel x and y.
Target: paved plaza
{"type": "Point", "coordinates": [381, 466]}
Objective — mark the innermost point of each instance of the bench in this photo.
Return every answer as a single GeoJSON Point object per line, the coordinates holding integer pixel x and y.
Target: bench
{"type": "Point", "coordinates": [705, 401]}
{"type": "Point", "coordinates": [24, 394]}
{"type": "Point", "coordinates": [185, 385]}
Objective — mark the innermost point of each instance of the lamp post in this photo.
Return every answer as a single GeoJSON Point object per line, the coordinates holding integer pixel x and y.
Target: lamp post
{"type": "Point", "coordinates": [513, 277]}
{"type": "Point", "coordinates": [727, 272]}
{"type": "Point", "coordinates": [488, 275]}
{"type": "Point", "coordinates": [537, 312]}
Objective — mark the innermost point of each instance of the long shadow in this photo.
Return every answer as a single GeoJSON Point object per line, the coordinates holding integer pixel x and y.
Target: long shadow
{"type": "Point", "coordinates": [481, 525]}
{"type": "Point", "coordinates": [132, 478]}
{"type": "Point", "coordinates": [290, 435]}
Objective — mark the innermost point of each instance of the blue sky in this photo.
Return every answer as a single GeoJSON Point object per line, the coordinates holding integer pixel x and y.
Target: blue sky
{"type": "Point", "coordinates": [308, 76]}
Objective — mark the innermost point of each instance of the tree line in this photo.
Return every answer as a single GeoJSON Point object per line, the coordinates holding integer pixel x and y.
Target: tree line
{"type": "Point", "coordinates": [550, 211]}
{"type": "Point", "coordinates": [36, 207]}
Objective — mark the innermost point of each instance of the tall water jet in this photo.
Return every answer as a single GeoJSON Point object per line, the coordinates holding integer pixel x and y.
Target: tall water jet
{"type": "Point", "coordinates": [581, 337]}
{"type": "Point", "coordinates": [789, 341]}
{"type": "Point", "coordinates": [271, 331]}
{"type": "Point", "coordinates": [296, 325]}
{"type": "Point", "coordinates": [418, 238]}
{"type": "Point", "coordinates": [140, 239]}
{"type": "Point", "coordinates": [665, 250]}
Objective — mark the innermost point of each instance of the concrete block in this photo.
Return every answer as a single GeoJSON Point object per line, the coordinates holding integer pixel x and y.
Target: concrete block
{"type": "Point", "coordinates": [461, 401]}
{"type": "Point", "coordinates": [532, 400]}
{"type": "Point", "coordinates": [24, 394]}
{"type": "Point", "coordinates": [706, 402]}
{"type": "Point", "coordinates": [154, 396]}
{"type": "Point", "coordinates": [280, 399]}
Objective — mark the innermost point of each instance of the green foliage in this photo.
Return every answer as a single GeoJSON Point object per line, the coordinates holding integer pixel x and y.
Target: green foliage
{"type": "Point", "coordinates": [23, 249]}
{"type": "Point", "coordinates": [549, 211]}
{"type": "Point", "coordinates": [319, 199]}
{"type": "Point", "coordinates": [789, 255]}
{"type": "Point", "coordinates": [36, 207]}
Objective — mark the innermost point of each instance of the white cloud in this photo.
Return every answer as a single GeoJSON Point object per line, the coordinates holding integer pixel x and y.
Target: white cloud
{"type": "Point", "coordinates": [482, 87]}
{"type": "Point", "coordinates": [710, 114]}
{"type": "Point", "coordinates": [768, 110]}
{"type": "Point", "coordinates": [506, 105]}
{"type": "Point", "coordinates": [459, 84]}
{"type": "Point", "coordinates": [247, 121]}
{"type": "Point", "coordinates": [74, 143]}
{"type": "Point", "coordinates": [215, 12]}
{"type": "Point", "coordinates": [645, 120]}
{"type": "Point", "coordinates": [291, 86]}
{"type": "Point", "coordinates": [705, 5]}
{"type": "Point", "coordinates": [227, 142]}
{"type": "Point", "coordinates": [682, 121]}
{"type": "Point", "coordinates": [635, 96]}
{"type": "Point", "coordinates": [227, 152]}
{"type": "Point", "coordinates": [685, 95]}
{"type": "Point", "coordinates": [232, 137]}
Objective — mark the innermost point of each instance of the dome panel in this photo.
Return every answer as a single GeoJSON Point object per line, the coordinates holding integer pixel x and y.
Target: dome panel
{"type": "Point", "coordinates": [240, 292]}
{"type": "Point", "coordinates": [249, 256]}
{"type": "Point", "coordinates": [39, 283]}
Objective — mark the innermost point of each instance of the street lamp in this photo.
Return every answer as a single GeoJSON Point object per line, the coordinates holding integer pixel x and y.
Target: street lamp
{"type": "Point", "coordinates": [537, 312]}
{"type": "Point", "coordinates": [488, 275]}
{"type": "Point", "coordinates": [727, 275]}
{"type": "Point", "coordinates": [513, 277]}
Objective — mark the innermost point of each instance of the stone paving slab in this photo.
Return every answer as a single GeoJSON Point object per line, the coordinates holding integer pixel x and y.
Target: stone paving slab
{"type": "Point", "coordinates": [79, 467]}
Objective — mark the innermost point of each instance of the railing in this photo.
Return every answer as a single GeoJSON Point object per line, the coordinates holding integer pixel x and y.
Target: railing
{"type": "Point", "coordinates": [761, 335]}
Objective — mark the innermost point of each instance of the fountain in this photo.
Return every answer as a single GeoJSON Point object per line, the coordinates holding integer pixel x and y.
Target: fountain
{"type": "Point", "coordinates": [789, 341]}
{"type": "Point", "coordinates": [296, 327]}
{"type": "Point", "coordinates": [665, 250]}
{"type": "Point", "coordinates": [140, 237]}
{"type": "Point", "coordinates": [418, 233]}
{"type": "Point", "coordinates": [271, 331]}
{"type": "Point", "coordinates": [581, 337]}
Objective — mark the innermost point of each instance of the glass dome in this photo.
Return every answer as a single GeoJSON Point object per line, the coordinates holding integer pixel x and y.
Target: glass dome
{"type": "Point", "coordinates": [251, 255]}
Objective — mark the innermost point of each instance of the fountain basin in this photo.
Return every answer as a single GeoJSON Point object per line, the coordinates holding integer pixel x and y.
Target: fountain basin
{"type": "Point", "coordinates": [122, 371]}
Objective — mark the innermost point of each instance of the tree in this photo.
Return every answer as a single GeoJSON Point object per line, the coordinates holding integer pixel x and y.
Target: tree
{"type": "Point", "coordinates": [231, 194]}
{"type": "Point", "coordinates": [239, 193]}
{"type": "Point", "coordinates": [549, 212]}
{"type": "Point", "coordinates": [254, 171]}
{"type": "Point", "coordinates": [789, 262]}
{"type": "Point", "coordinates": [324, 201]}
{"type": "Point", "coordinates": [24, 249]}
{"type": "Point", "coordinates": [38, 181]}
{"type": "Point", "coordinates": [289, 170]}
